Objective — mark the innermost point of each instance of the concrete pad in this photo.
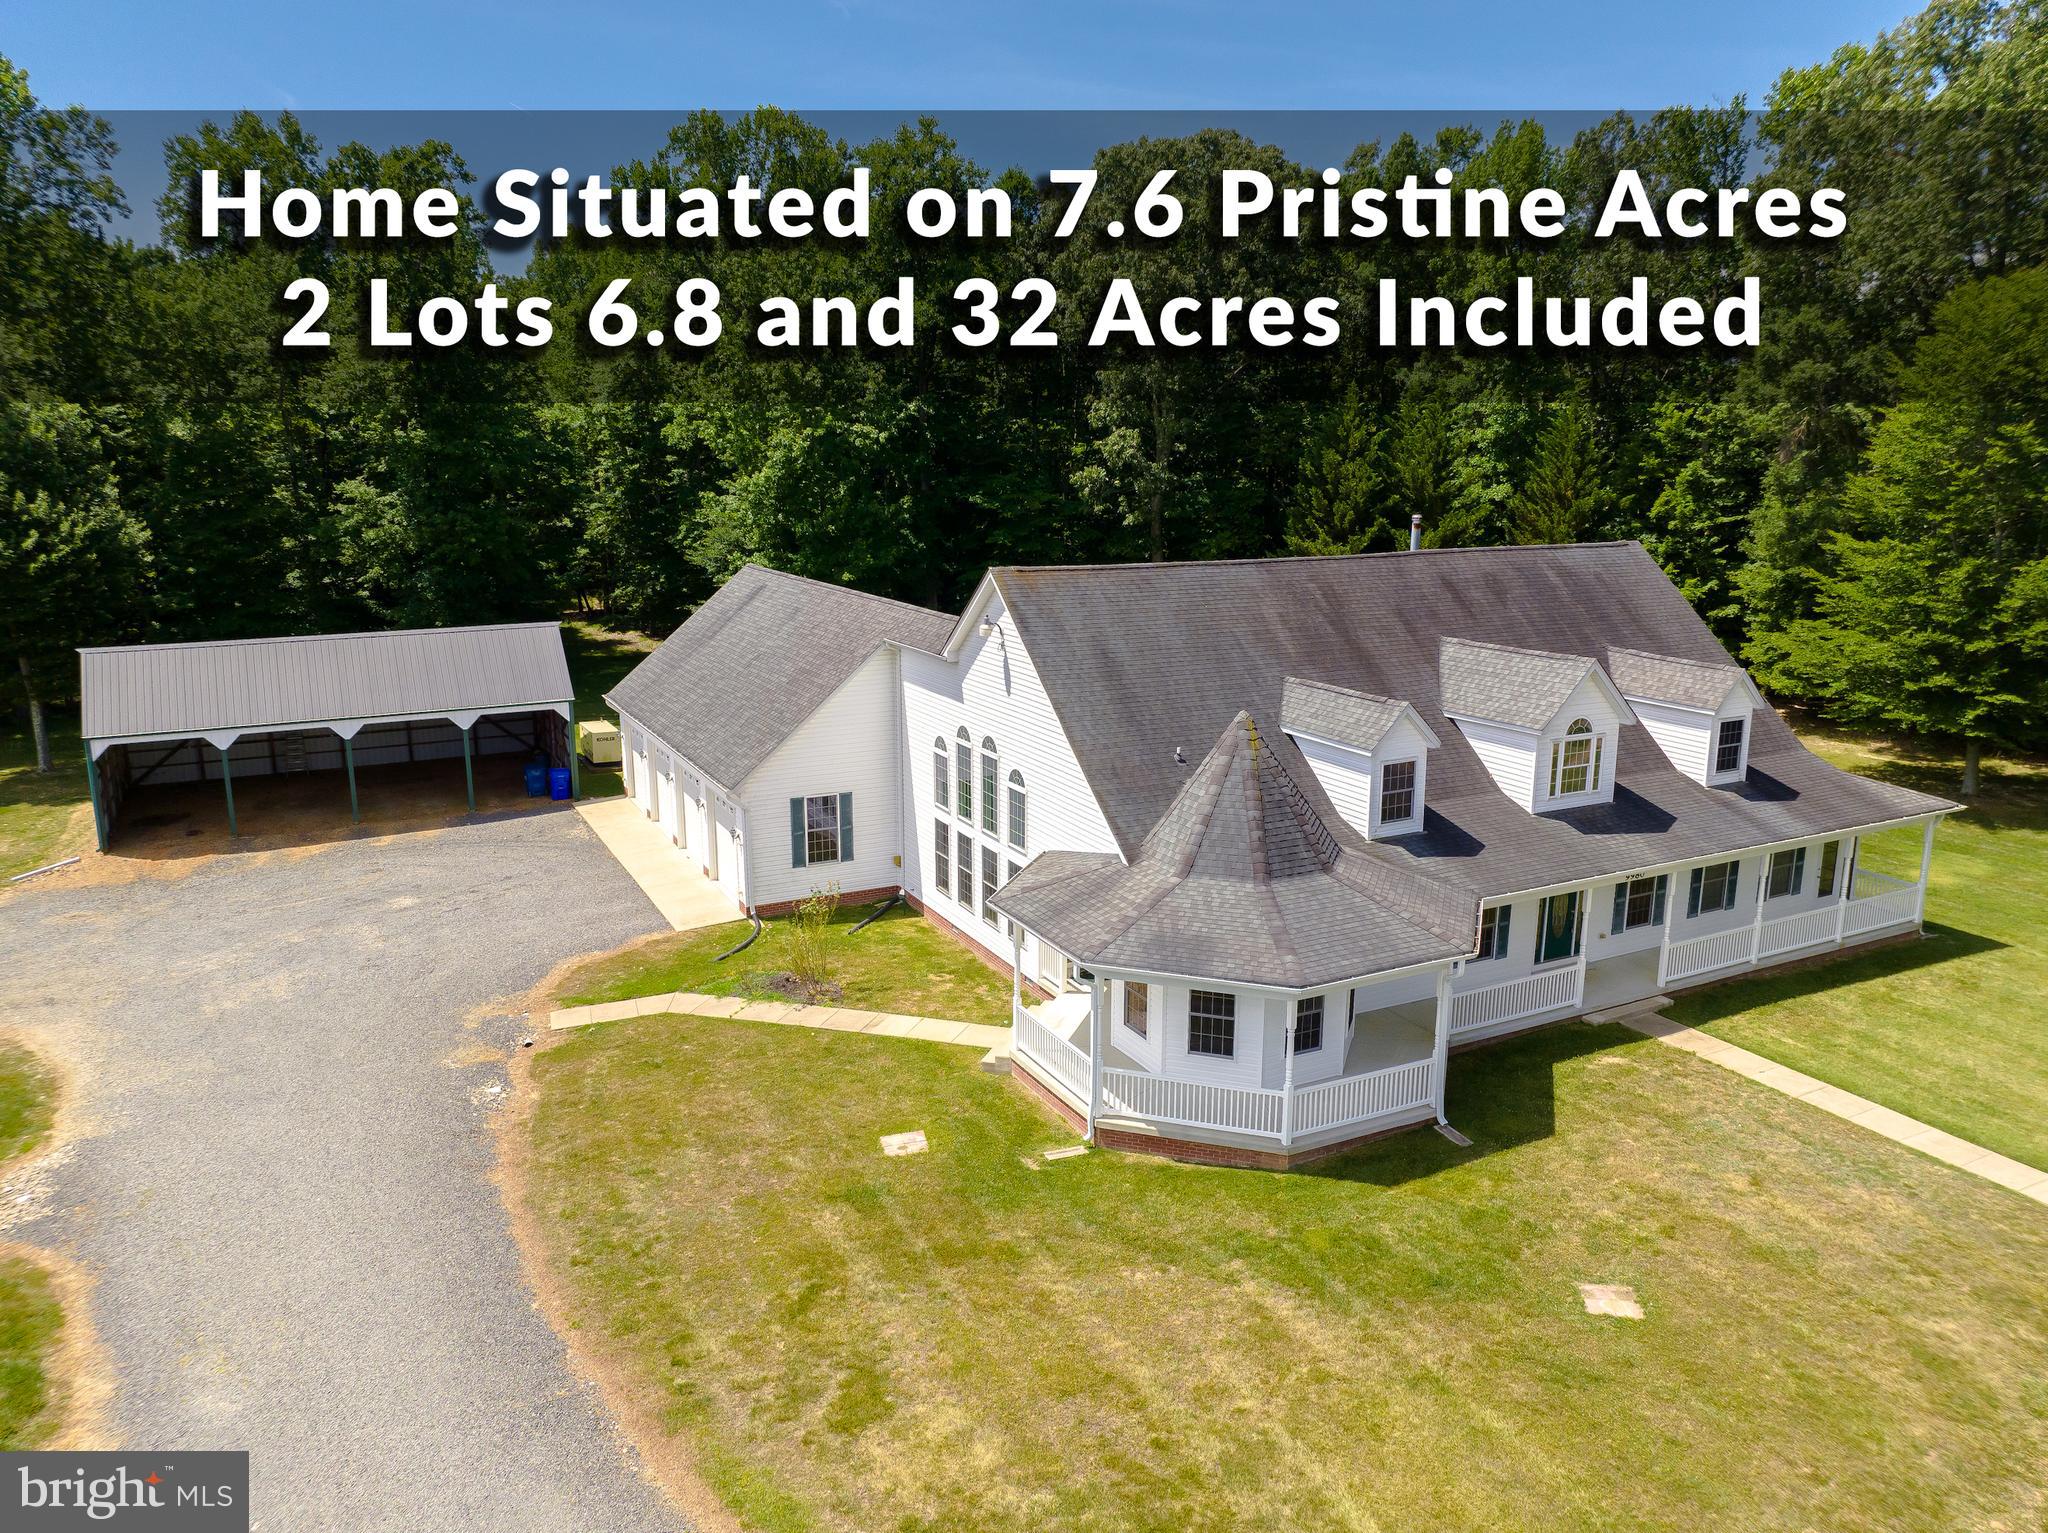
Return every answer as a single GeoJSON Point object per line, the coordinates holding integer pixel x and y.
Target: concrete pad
{"type": "Point", "coordinates": [1946, 1146]}
{"type": "Point", "coordinates": [1834, 1099]}
{"type": "Point", "coordinates": [1743, 1063]}
{"type": "Point", "coordinates": [764, 1011]}
{"type": "Point", "coordinates": [669, 876]}
{"type": "Point", "coordinates": [935, 1030]}
{"type": "Point", "coordinates": [2006, 1172]}
{"type": "Point", "coordinates": [1789, 1081]}
{"type": "Point", "coordinates": [1615, 1299]}
{"type": "Point", "coordinates": [1065, 1152]}
{"type": "Point", "coordinates": [710, 1005]}
{"type": "Point", "coordinates": [836, 1019]}
{"type": "Point", "coordinates": [862, 1021]}
{"type": "Point", "coordinates": [1893, 1125]}
{"type": "Point", "coordinates": [895, 1025]}
{"type": "Point", "coordinates": [912, 1143]}
{"type": "Point", "coordinates": [983, 1035]}
{"type": "Point", "coordinates": [654, 1005]}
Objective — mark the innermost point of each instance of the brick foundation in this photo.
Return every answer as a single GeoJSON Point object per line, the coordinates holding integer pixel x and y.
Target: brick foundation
{"type": "Point", "coordinates": [846, 898]}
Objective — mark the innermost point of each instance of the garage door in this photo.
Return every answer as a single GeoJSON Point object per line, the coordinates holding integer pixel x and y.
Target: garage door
{"type": "Point", "coordinates": [728, 853]}
{"type": "Point", "coordinates": [665, 794]}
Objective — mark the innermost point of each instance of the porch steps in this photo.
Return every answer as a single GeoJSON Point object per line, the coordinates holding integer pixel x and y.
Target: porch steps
{"type": "Point", "coordinates": [997, 1060]}
{"type": "Point", "coordinates": [1623, 1012]}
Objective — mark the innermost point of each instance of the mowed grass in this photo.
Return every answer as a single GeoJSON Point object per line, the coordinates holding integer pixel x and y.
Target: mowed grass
{"type": "Point", "coordinates": [30, 1316]}
{"type": "Point", "coordinates": [1952, 1030]}
{"type": "Point", "coordinates": [598, 658]}
{"type": "Point", "coordinates": [900, 963]}
{"type": "Point", "coordinates": [1840, 1333]}
{"type": "Point", "coordinates": [42, 816]}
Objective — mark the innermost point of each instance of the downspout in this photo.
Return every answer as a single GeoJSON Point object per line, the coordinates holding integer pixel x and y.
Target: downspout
{"type": "Point", "coordinates": [878, 912]}
{"type": "Point", "coordinates": [745, 942]}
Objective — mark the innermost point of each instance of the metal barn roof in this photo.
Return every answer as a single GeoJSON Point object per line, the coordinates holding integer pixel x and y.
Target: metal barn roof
{"type": "Point", "coordinates": [246, 685]}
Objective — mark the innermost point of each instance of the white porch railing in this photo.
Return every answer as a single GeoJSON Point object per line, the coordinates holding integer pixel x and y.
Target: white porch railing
{"type": "Point", "coordinates": [1699, 955]}
{"type": "Point", "coordinates": [1193, 1104]}
{"type": "Point", "coordinates": [1049, 1051]}
{"type": "Point", "coordinates": [1354, 1098]}
{"type": "Point", "coordinates": [1545, 990]}
{"type": "Point", "coordinates": [1866, 913]}
{"type": "Point", "coordinates": [1793, 932]}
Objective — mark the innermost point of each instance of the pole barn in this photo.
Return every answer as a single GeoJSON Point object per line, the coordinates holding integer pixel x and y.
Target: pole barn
{"type": "Point", "coordinates": [241, 710]}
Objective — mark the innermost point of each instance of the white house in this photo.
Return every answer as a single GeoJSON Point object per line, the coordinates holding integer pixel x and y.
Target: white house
{"type": "Point", "coordinates": [1262, 840]}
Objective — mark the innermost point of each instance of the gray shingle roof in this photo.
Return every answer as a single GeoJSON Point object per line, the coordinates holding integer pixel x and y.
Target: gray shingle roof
{"type": "Point", "coordinates": [757, 659]}
{"type": "Point", "coordinates": [1140, 658]}
{"type": "Point", "coordinates": [257, 684]}
{"type": "Point", "coordinates": [1250, 876]}
{"type": "Point", "coordinates": [1667, 679]}
{"type": "Point", "coordinates": [1508, 685]}
{"type": "Point", "coordinates": [1337, 714]}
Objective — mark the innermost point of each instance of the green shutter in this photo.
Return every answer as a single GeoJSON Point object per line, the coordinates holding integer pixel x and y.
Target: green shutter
{"type": "Point", "coordinates": [1692, 903]}
{"type": "Point", "coordinates": [1657, 906]}
{"type": "Point", "coordinates": [1620, 906]}
{"type": "Point", "coordinates": [846, 827]}
{"type": "Point", "coordinates": [797, 859]}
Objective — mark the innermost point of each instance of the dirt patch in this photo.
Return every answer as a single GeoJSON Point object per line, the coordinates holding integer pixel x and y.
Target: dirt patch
{"type": "Point", "coordinates": [803, 991]}
{"type": "Point", "coordinates": [663, 1457]}
{"type": "Point", "coordinates": [81, 1375]}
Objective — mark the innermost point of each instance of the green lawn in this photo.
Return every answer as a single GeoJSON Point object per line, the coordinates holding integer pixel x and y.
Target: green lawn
{"type": "Point", "coordinates": [1952, 1030]}
{"type": "Point", "coordinates": [1841, 1334]}
{"type": "Point", "coordinates": [900, 963]}
{"type": "Point", "coordinates": [42, 818]}
{"type": "Point", "coordinates": [598, 658]}
{"type": "Point", "coordinates": [30, 1317]}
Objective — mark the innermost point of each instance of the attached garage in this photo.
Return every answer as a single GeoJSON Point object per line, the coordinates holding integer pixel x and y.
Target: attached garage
{"type": "Point", "coordinates": [370, 708]}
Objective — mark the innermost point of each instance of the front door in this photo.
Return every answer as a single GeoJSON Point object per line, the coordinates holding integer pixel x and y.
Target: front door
{"type": "Point", "coordinates": [1557, 928]}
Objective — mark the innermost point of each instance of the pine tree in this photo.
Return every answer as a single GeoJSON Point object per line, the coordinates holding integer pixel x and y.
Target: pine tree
{"type": "Point", "coordinates": [1564, 496]}
{"type": "Point", "coordinates": [1341, 496]}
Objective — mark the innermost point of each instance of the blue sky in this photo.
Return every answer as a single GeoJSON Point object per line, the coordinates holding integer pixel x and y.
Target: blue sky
{"type": "Point", "coordinates": [1483, 55]}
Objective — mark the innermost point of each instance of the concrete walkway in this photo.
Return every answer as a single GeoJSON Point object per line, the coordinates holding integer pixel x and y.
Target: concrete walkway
{"type": "Point", "coordinates": [667, 875]}
{"type": "Point", "coordinates": [1911, 1132]}
{"type": "Point", "coordinates": [883, 1024]}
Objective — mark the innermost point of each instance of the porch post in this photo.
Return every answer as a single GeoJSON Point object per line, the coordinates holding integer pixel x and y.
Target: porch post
{"type": "Point", "coordinates": [1845, 869]}
{"type": "Point", "coordinates": [468, 770]}
{"type": "Point", "coordinates": [1670, 925]}
{"type": "Point", "coordinates": [1756, 926]}
{"type": "Point", "coordinates": [1579, 969]}
{"type": "Point", "coordinates": [227, 781]}
{"type": "Point", "coordinates": [576, 770]}
{"type": "Point", "coordinates": [1016, 970]}
{"type": "Point", "coordinates": [1440, 1055]}
{"type": "Point", "coordinates": [348, 762]}
{"type": "Point", "coordinates": [1094, 1054]}
{"type": "Point", "coordinates": [92, 783]}
{"type": "Point", "coordinates": [1287, 1079]}
{"type": "Point", "coordinates": [1926, 862]}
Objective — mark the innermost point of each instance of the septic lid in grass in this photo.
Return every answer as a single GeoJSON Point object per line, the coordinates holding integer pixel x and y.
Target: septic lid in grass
{"type": "Point", "coordinates": [1616, 1299]}
{"type": "Point", "coordinates": [912, 1143]}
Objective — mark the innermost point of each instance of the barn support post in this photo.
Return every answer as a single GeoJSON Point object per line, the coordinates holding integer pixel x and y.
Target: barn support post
{"type": "Point", "coordinates": [348, 764]}
{"type": "Point", "coordinates": [575, 772]}
{"type": "Point", "coordinates": [92, 782]}
{"type": "Point", "coordinates": [468, 769]}
{"type": "Point", "coordinates": [227, 781]}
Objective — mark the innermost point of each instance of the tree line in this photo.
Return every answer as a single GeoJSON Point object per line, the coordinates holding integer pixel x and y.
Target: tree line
{"type": "Point", "coordinates": [1859, 506]}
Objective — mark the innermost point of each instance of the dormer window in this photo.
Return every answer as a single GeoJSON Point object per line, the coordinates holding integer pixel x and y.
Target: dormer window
{"type": "Point", "coordinates": [1575, 760]}
{"type": "Point", "coordinates": [1397, 793]}
{"type": "Point", "coordinates": [1728, 745]}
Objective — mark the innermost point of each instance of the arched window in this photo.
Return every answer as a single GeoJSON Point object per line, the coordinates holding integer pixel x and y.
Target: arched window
{"type": "Point", "coordinates": [989, 774]}
{"type": "Point", "coordinates": [1017, 810]}
{"type": "Point", "coordinates": [963, 773]}
{"type": "Point", "coordinates": [942, 782]}
{"type": "Point", "coordinates": [1575, 760]}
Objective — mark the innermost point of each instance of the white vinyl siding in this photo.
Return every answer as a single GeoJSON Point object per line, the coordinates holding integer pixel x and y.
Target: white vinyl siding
{"type": "Point", "coordinates": [994, 691]}
{"type": "Point", "coordinates": [1353, 779]}
{"type": "Point", "coordinates": [1507, 753]}
{"type": "Point", "coordinates": [1689, 738]}
{"type": "Point", "coordinates": [851, 744]}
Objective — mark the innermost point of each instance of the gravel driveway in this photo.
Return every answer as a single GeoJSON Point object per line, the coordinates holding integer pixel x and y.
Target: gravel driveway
{"type": "Point", "coordinates": [281, 1190]}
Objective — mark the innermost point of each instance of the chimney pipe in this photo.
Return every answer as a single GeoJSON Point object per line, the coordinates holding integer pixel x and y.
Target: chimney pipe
{"type": "Point", "coordinates": [1414, 531]}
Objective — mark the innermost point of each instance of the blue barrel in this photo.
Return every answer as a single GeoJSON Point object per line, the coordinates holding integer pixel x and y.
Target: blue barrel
{"type": "Point", "coordinates": [536, 779]}
{"type": "Point", "coordinates": [558, 782]}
